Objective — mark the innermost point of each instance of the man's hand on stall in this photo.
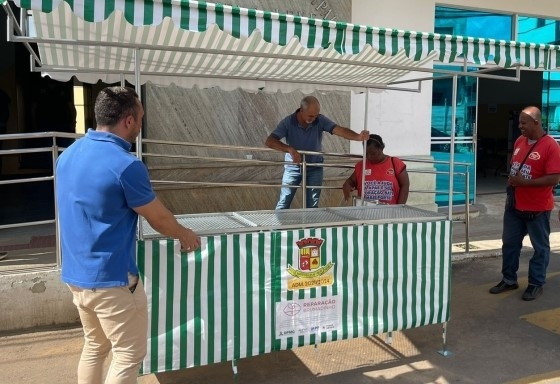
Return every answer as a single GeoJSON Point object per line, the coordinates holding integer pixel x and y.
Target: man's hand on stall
{"type": "Point", "coordinates": [189, 240]}
{"type": "Point", "coordinates": [163, 221]}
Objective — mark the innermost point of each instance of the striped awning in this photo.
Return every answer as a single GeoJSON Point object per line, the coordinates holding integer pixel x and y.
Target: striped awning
{"type": "Point", "coordinates": [193, 43]}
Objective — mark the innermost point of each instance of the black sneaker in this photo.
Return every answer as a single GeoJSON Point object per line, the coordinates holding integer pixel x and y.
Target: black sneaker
{"type": "Point", "coordinates": [503, 286]}
{"type": "Point", "coordinates": [532, 292]}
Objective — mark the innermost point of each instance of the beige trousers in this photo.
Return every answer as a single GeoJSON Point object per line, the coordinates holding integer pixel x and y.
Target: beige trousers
{"type": "Point", "coordinates": [113, 319]}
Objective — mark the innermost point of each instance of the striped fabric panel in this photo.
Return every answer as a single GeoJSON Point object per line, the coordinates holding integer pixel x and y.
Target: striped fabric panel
{"type": "Point", "coordinates": [345, 38]}
{"type": "Point", "coordinates": [218, 304]}
{"type": "Point", "coordinates": [208, 65]}
{"type": "Point", "coordinates": [208, 306]}
{"type": "Point", "coordinates": [388, 277]}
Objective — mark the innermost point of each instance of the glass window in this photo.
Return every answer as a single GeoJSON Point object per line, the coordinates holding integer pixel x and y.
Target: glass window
{"type": "Point", "coordinates": [544, 31]}
{"type": "Point", "coordinates": [536, 30]}
{"type": "Point", "coordinates": [465, 23]}
{"type": "Point", "coordinates": [473, 23]}
{"type": "Point", "coordinates": [442, 94]}
{"type": "Point", "coordinates": [441, 133]}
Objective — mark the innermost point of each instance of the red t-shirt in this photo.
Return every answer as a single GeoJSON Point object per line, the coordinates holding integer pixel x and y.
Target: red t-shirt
{"type": "Point", "coordinates": [543, 160]}
{"type": "Point", "coordinates": [381, 180]}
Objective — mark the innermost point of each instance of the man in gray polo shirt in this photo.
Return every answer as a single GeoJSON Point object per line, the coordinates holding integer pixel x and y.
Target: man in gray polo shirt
{"type": "Point", "coordinates": [303, 131]}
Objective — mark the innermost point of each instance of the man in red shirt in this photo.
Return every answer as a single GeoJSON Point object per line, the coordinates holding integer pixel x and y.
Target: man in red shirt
{"type": "Point", "coordinates": [535, 170]}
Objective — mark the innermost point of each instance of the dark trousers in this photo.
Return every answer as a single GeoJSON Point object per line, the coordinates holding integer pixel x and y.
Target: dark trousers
{"type": "Point", "coordinates": [515, 227]}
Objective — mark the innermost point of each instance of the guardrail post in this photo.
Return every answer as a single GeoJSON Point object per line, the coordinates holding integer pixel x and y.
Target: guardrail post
{"type": "Point", "coordinates": [304, 181]}
{"type": "Point", "coordinates": [54, 155]}
{"type": "Point", "coordinates": [467, 209]}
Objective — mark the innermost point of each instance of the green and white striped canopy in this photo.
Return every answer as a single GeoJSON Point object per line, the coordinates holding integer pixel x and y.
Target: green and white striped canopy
{"type": "Point", "coordinates": [194, 43]}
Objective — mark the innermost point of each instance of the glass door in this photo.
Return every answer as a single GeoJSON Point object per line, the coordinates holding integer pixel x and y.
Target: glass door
{"type": "Point", "coordinates": [465, 132]}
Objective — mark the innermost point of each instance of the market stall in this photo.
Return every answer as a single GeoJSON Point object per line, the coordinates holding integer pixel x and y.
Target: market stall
{"type": "Point", "coordinates": [264, 281]}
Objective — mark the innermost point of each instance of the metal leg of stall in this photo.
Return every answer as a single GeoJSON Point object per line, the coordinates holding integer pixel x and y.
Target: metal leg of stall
{"type": "Point", "coordinates": [389, 338]}
{"type": "Point", "coordinates": [444, 351]}
{"type": "Point", "coordinates": [234, 369]}
{"type": "Point", "coordinates": [304, 182]}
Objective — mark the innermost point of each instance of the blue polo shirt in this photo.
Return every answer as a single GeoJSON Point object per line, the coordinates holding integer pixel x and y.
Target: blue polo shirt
{"type": "Point", "coordinates": [304, 139]}
{"type": "Point", "coordinates": [98, 182]}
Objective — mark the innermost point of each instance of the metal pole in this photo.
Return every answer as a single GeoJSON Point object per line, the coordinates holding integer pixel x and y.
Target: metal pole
{"type": "Point", "coordinates": [389, 338]}
{"type": "Point", "coordinates": [452, 147]}
{"type": "Point", "coordinates": [364, 148]}
{"type": "Point", "coordinates": [234, 368]}
{"type": "Point", "coordinates": [444, 351]}
{"type": "Point", "coordinates": [23, 22]}
{"type": "Point", "coordinates": [467, 210]}
{"type": "Point", "coordinates": [138, 88]}
{"type": "Point", "coordinates": [54, 155]}
{"type": "Point", "coordinates": [475, 136]}
{"type": "Point", "coordinates": [547, 102]}
{"type": "Point", "coordinates": [12, 24]}
{"type": "Point", "coordinates": [304, 181]}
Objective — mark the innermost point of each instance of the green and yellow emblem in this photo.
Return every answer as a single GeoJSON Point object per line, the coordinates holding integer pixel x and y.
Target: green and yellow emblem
{"type": "Point", "coordinates": [310, 273]}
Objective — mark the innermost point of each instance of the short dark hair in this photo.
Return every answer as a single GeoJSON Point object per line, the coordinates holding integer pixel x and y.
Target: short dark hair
{"type": "Point", "coordinates": [376, 141]}
{"type": "Point", "coordinates": [115, 103]}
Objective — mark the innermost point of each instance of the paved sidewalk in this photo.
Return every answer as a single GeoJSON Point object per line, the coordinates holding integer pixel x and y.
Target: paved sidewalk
{"type": "Point", "coordinates": [493, 248]}
{"type": "Point", "coordinates": [491, 338]}
{"type": "Point", "coordinates": [485, 229]}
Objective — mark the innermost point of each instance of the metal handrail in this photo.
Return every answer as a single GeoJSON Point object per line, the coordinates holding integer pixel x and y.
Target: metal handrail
{"type": "Point", "coordinates": [38, 135]}
{"type": "Point", "coordinates": [55, 150]}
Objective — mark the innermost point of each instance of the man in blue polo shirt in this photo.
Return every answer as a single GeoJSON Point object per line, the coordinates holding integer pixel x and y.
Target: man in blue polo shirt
{"type": "Point", "coordinates": [101, 188]}
{"type": "Point", "coordinates": [303, 131]}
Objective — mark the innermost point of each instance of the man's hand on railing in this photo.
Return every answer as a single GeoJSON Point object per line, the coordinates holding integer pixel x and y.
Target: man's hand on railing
{"type": "Point", "coordinates": [347, 189]}
{"type": "Point", "coordinates": [296, 157]}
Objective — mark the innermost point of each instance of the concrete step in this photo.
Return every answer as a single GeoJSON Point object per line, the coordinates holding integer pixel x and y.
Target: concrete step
{"type": "Point", "coordinates": [459, 211]}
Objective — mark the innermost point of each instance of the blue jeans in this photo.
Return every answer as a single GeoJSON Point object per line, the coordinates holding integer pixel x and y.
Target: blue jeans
{"type": "Point", "coordinates": [292, 176]}
{"type": "Point", "coordinates": [514, 230]}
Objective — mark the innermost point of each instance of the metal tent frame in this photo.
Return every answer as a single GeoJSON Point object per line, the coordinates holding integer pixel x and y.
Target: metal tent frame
{"type": "Point", "coordinates": [351, 57]}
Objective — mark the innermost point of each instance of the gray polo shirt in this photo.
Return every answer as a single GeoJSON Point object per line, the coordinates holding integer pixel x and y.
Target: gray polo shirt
{"type": "Point", "coordinates": [304, 139]}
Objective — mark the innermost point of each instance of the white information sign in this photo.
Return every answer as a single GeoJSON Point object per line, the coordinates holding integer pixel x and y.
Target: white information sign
{"type": "Point", "coordinates": [306, 316]}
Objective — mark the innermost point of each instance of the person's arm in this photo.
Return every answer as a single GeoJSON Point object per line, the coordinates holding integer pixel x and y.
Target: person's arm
{"type": "Point", "coordinates": [349, 186]}
{"type": "Point", "coordinates": [163, 221]}
{"type": "Point", "coordinates": [404, 185]}
{"type": "Point", "coordinates": [349, 134]}
{"type": "Point", "coordinates": [274, 143]}
{"type": "Point", "coordinates": [519, 181]}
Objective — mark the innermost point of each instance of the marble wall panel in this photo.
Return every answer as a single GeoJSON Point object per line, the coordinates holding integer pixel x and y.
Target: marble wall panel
{"type": "Point", "coordinates": [230, 118]}
{"type": "Point", "coordinates": [339, 10]}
